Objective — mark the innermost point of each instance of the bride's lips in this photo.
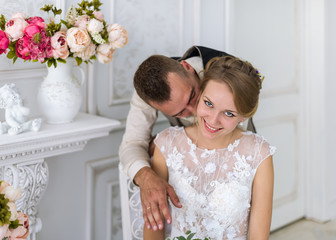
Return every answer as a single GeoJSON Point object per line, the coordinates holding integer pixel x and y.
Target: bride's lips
{"type": "Point", "coordinates": [210, 128]}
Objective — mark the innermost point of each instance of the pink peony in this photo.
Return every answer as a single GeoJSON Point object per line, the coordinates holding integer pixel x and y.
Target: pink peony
{"type": "Point", "coordinates": [3, 185]}
{"type": "Point", "coordinates": [59, 45]}
{"type": "Point", "coordinates": [31, 30]}
{"type": "Point", "coordinates": [105, 53]}
{"type": "Point", "coordinates": [21, 48]}
{"type": "Point", "coordinates": [21, 232]}
{"type": "Point", "coordinates": [99, 15]}
{"type": "Point", "coordinates": [4, 231]}
{"type": "Point", "coordinates": [4, 42]}
{"type": "Point", "coordinates": [15, 26]}
{"type": "Point", "coordinates": [117, 35]}
{"type": "Point", "coordinates": [78, 39]}
{"type": "Point", "coordinates": [38, 21]}
{"type": "Point", "coordinates": [87, 53]}
{"type": "Point", "coordinates": [82, 21]}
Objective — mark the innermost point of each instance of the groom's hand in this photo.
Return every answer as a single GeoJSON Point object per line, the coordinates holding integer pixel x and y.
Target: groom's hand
{"type": "Point", "coordinates": [154, 192]}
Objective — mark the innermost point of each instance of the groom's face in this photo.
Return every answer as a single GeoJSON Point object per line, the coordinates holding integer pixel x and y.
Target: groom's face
{"type": "Point", "coordinates": [183, 95]}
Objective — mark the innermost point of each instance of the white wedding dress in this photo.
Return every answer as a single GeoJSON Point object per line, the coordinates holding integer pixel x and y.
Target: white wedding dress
{"type": "Point", "coordinates": [214, 186]}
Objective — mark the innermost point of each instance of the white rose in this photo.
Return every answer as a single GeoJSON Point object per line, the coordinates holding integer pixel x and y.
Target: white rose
{"type": "Point", "coordinates": [11, 193]}
{"type": "Point", "coordinates": [95, 26]}
{"type": "Point", "coordinates": [117, 35]}
{"type": "Point", "coordinates": [78, 39]}
{"type": "Point", "coordinates": [87, 53]}
{"type": "Point", "coordinates": [105, 53]}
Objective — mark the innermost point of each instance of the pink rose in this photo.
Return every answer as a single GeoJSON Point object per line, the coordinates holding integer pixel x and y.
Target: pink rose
{"type": "Point", "coordinates": [59, 45]}
{"type": "Point", "coordinates": [21, 48]}
{"type": "Point", "coordinates": [22, 231]}
{"type": "Point", "coordinates": [78, 39]}
{"type": "Point", "coordinates": [82, 21]}
{"type": "Point", "coordinates": [4, 42]}
{"type": "Point", "coordinates": [99, 15]}
{"type": "Point", "coordinates": [15, 26]}
{"type": "Point", "coordinates": [117, 35]}
{"type": "Point", "coordinates": [105, 53]}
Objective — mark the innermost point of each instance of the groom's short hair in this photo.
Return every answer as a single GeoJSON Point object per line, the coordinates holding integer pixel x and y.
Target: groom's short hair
{"type": "Point", "coordinates": [150, 79]}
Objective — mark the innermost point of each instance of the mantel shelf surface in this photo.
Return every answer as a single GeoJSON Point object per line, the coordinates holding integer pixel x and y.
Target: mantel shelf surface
{"type": "Point", "coordinates": [54, 139]}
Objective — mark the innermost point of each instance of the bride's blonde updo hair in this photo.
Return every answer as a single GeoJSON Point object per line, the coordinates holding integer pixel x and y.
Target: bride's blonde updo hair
{"type": "Point", "coordinates": [241, 77]}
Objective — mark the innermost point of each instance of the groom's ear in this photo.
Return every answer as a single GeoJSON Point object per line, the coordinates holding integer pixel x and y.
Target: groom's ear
{"type": "Point", "coordinates": [186, 66]}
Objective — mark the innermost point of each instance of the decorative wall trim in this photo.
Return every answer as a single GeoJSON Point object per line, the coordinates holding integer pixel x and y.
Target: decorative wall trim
{"type": "Point", "coordinates": [314, 110]}
{"type": "Point", "coordinates": [92, 170]}
{"type": "Point", "coordinates": [23, 74]}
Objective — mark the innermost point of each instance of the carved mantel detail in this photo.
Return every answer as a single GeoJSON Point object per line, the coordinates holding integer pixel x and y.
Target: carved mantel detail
{"type": "Point", "coordinates": [22, 157]}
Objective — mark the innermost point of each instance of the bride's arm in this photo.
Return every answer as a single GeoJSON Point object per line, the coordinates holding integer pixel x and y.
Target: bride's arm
{"type": "Point", "coordinates": [262, 198]}
{"type": "Point", "coordinates": [160, 168]}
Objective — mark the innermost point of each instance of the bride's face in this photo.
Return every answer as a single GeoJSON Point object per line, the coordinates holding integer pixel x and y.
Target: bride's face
{"type": "Point", "coordinates": [217, 115]}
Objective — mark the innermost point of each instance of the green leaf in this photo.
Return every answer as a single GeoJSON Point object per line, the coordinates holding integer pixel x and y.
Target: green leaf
{"type": "Point", "coordinates": [46, 8]}
{"type": "Point", "coordinates": [2, 22]}
{"type": "Point", "coordinates": [191, 236]}
{"type": "Point", "coordinates": [56, 11]}
{"type": "Point", "coordinates": [49, 63]}
{"type": "Point", "coordinates": [14, 224]}
{"type": "Point", "coordinates": [181, 238]}
{"type": "Point", "coordinates": [15, 58]}
{"type": "Point", "coordinates": [68, 25]}
{"type": "Point", "coordinates": [11, 54]}
{"type": "Point", "coordinates": [61, 60]}
{"type": "Point", "coordinates": [78, 61]}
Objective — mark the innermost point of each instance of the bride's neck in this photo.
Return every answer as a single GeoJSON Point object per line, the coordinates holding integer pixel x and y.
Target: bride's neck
{"type": "Point", "coordinates": [200, 141]}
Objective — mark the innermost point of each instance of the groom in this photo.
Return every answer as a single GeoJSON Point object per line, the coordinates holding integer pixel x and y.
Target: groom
{"type": "Point", "coordinates": [169, 85]}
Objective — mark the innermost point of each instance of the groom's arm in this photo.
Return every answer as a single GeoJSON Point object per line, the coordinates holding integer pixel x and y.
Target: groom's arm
{"type": "Point", "coordinates": [135, 162]}
{"type": "Point", "coordinates": [133, 151]}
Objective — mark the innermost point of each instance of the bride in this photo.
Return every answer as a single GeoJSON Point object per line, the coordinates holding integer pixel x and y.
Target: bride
{"type": "Point", "coordinates": [222, 174]}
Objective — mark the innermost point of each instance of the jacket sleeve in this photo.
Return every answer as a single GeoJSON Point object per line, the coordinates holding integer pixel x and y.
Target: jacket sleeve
{"type": "Point", "coordinates": [133, 151]}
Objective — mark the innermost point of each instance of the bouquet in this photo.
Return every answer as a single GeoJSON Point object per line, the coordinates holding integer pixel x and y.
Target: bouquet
{"type": "Point", "coordinates": [189, 236]}
{"type": "Point", "coordinates": [14, 225]}
{"type": "Point", "coordinates": [83, 35]}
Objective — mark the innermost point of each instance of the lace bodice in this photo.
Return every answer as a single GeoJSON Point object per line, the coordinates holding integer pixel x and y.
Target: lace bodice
{"type": "Point", "coordinates": [214, 186]}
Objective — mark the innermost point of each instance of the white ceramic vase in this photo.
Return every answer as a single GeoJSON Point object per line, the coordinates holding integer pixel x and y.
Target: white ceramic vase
{"type": "Point", "coordinates": [59, 96]}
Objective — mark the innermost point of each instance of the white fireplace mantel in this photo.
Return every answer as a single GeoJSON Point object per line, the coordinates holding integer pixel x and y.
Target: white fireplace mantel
{"type": "Point", "coordinates": [22, 157]}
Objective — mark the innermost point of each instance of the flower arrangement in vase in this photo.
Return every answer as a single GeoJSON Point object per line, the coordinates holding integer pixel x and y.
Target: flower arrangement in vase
{"type": "Point", "coordinates": [82, 36]}
{"type": "Point", "coordinates": [13, 224]}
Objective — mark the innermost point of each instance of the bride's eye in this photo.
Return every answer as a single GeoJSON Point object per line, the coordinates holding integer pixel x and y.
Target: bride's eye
{"type": "Point", "coordinates": [229, 114]}
{"type": "Point", "coordinates": [209, 104]}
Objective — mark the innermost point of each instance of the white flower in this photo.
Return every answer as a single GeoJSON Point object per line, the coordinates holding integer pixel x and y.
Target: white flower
{"type": "Point", "coordinates": [95, 26]}
{"type": "Point", "coordinates": [105, 53]}
{"type": "Point", "coordinates": [78, 39]}
{"type": "Point", "coordinates": [12, 209]}
{"type": "Point", "coordinates": [87, 53]}
{"type": "Point", "coordinates": [98, 38]}
{"type": "Point", "coordinates": [118, 36]}
{"type": "Point", "coordinates": [11, 193]}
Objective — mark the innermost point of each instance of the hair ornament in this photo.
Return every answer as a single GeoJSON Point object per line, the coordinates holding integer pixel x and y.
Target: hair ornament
{"type": "Point", "coordinates": [261, 77]}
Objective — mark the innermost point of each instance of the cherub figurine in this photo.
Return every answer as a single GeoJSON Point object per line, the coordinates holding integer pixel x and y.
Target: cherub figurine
{"type": "Point", "coordinates": [16, 120]}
